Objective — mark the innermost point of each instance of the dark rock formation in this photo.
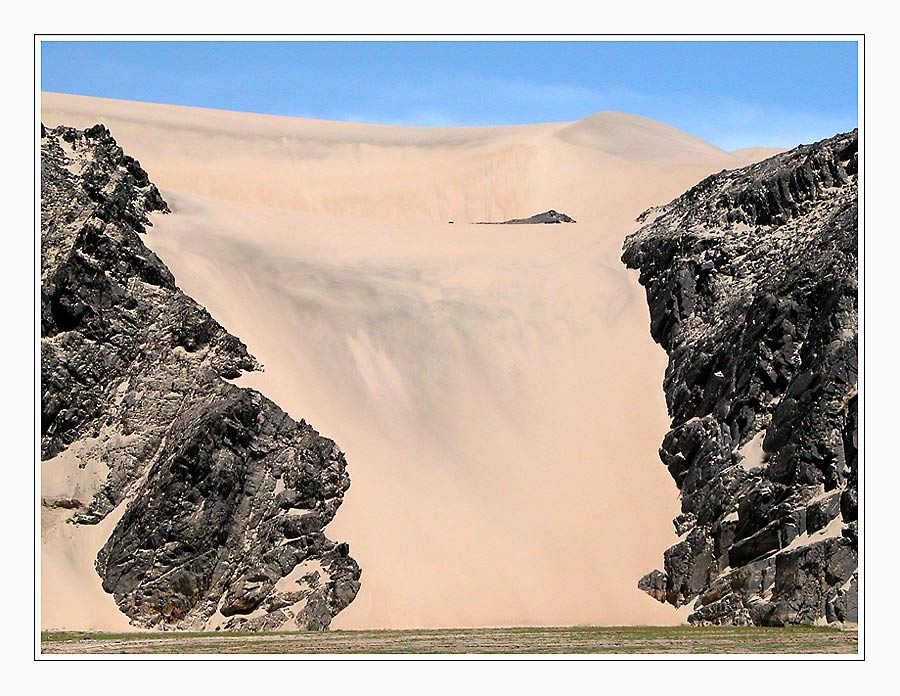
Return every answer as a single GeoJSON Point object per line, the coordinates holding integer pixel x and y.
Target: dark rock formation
{"type": "Point", "coordinates": [751, 279]}
{"type": "Point", "coordinates": [551, 217]}
{"type": "Point", "coordinates": [223, 497]}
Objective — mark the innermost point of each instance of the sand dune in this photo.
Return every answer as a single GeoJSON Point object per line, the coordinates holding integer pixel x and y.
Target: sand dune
{"type": "Point", "coordinates": [495, 388]}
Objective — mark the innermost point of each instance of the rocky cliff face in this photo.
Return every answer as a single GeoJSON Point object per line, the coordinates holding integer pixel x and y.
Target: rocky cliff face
{"type": "Point", "coordinates": [751, 279]}
{"type": "Point", "coordinates": [222, 496]}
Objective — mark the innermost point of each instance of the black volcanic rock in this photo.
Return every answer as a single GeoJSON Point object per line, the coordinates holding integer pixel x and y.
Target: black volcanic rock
{"type": "Point", "coordinates": [551, 217]}
{"type": "Point", "coordinates": [751, 280]}
{"type": "Point", "coordinates": [209, 477]}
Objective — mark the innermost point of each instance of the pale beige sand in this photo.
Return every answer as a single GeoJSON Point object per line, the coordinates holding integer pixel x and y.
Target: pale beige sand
{"type": "Point", "coordinates": [71, 594]}
{"type": "Point", "coordinates": [495, 388]}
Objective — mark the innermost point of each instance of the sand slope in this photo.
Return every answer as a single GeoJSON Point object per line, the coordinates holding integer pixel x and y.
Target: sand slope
{"type": "Point", "coordinates": [495, 388]}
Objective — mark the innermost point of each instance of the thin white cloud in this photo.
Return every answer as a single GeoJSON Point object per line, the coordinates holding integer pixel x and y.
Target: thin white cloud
{"type": "Point", "coordinates": [732, 124]}
{"type": "Point", "coordinates": [468, 90]}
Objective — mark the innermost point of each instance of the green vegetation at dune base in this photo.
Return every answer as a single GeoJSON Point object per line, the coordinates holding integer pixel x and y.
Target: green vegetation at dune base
{"type": "Point", "coordinates": [532, 640]}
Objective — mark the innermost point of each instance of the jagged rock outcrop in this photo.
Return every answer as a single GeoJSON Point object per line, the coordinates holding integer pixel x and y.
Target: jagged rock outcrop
{"type": "Point", "coordinates": [551, 217]}
{"type": "Point", "coordinates": [223, 497]}
{"type": "Point", "coordinates": [751, 279]}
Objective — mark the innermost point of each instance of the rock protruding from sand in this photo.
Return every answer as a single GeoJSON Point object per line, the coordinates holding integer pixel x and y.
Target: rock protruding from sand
{"type": "Point", "coordinates": [751, 278]}
{"type": "Point", "coordinates": [191, 497]}
{"type": "Point", "coordinates": [551, 217]}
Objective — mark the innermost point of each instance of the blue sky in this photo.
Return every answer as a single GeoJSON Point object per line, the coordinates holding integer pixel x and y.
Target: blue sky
{"type": "Point", "coordinates": [733, 94]}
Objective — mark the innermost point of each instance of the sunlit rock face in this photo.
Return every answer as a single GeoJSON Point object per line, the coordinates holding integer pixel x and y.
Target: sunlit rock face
{"type": "Point", "coordinates": [218, 498]}
{"type": "Point", "coordinates": [751, 279]}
